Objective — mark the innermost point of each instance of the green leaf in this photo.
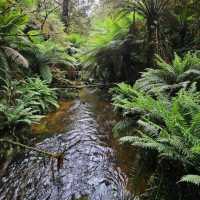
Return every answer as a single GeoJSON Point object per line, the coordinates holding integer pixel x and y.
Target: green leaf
{"type": "Point", "coordinates": [46, 74]}
{"type": "Point", "coordinates": [194, 179]}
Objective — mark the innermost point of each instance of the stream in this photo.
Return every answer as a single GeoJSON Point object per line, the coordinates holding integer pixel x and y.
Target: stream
{"type": "Point", "coordinates": [94, 164]}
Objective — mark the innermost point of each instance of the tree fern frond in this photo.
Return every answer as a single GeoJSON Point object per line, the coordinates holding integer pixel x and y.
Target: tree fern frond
{"type": "Point", "coordinates": [123, 126]}
{"type": "Point", "coordinates": [16, 57]}
{"type": "Point", "coordinates": [170, 78]}
{"type": "Point", "coordinates": [194, 179]}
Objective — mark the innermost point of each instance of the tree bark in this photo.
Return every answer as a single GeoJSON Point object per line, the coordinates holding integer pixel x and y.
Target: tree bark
{"type": "Point", "coordinates": [65, 13]}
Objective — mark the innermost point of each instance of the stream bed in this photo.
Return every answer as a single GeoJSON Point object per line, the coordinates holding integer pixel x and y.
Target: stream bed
{"type": "Point", "coordinates": [94, 164]}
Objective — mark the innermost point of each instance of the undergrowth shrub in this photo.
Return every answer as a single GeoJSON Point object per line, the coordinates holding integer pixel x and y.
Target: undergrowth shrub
{"type": "Point", "coordinates": [169, 78]}
{"type": "Point", "coordinates": [38, 95]}
{"type": "Point", "coordinates": [168, 126]}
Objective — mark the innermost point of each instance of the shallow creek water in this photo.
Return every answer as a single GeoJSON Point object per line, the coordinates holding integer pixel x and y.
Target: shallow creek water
{"type": "Point", "coordinates": [94, 164]}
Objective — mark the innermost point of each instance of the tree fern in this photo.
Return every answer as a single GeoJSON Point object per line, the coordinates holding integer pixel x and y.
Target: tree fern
{"type": "Point", "coordinates": [170, 78]}
{"type": "Point", "coordinates": [102, 54]}
{"type": "Point", "coordinates": [124, 126]}
{"type": "Point", "coordinates": [16, 57]}
{"type": "Point", "coordinates": [194, 179]}
{"type": "Point", "coordinates": [169, 126]}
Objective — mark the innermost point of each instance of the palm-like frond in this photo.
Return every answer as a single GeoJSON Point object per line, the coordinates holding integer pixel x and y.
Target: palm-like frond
{"type": "Point", "coordinates": [169, 127]}
{"type": "Point", "coordinates": [102, 54]}
{"type": "Point", "coordinates": [20, 113]}
{"type": "Point", "coordinates": [42, 97]}
{"type": "Point", "coordinates": [42, 59]}
{"type": "Point", "coordinates": [194, 179]}
{"type": "Point", "coordinates": [150, 8]}
{"type": "Point", "coordinates": [125, 125]}
{"type": "Point", "coordinates": [170, 78]}
{"type": "Point", "coordinates": [16, 57]}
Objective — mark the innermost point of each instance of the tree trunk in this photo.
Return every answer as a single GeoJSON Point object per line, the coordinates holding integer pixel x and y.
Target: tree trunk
{"type": "Point", "coordinates": [65, 13]}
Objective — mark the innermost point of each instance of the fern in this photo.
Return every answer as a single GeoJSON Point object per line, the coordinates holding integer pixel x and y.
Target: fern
{"type": "Point", "coordinates": [20, 113]}
{"type": "Point", "coordinates": [46, 73]}
{"type": "Point", "coordinates": [16, 57]}
{"type": "Point", "coordinates": [122, 126]}
{"type": "Point", "coordinates": [194, 179]}
{"type": "Point", "coordinates": [170, 127]}
{"type": "Point", "coordinates": [170, 78]}
{"type": "Point", "coordinates": [102, 51]}
{"type": "Point", "coordinates": [43, 98]}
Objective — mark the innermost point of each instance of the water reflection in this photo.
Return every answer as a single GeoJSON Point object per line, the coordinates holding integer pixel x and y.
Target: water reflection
{"type": "Point", "coordinates": [90, 165]}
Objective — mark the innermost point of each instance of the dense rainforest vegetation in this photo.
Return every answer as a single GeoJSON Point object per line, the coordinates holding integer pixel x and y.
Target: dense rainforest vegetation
{"type": "Point", "coordinates": [147, 52]}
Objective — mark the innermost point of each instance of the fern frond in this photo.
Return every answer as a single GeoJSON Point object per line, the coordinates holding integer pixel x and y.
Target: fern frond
{"type": "Point", "coordinates": [170, 78]}
{"type": "Point", "coordinates": [16, 57]}
{"type": "Point", "coordinates": [46, 73]}
{"type": "Point", "coordinates": [194, 179]}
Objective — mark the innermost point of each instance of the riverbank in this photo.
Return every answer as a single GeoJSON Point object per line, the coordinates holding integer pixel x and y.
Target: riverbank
{"type": "Point", "coordinates": [82, 130]}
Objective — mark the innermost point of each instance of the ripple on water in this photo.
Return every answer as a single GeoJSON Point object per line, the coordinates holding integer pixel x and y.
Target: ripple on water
{"type": "Point", "coordinates": [89, 165]}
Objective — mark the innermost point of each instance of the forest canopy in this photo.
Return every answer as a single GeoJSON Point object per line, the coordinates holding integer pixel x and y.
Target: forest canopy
{"type": "Point", "coordinates": [145, 52]}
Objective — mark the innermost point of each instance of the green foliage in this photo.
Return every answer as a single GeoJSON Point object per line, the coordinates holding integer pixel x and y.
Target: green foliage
{"type": "Point", "coordinates": [176, 121]}
{"type": "Point", "coordinates": [108, 30]}
{"type": "Point", "coordinates": [76, 39]}
{"type": "Point", "coordinates": [43, 98]}
{"type": "Point", "coordinates": [54, 28]}
{"type": "Point", "coordinates": [22, 104]}
{"type": "Point", "coordinates": [154, 13]}
{"type": "Point", "coordinates": [46, 54]}
{"type": "Point", "coordinates": [194, 179]}
{"type": "Point", "coordinates": [123, 91]}
{"type": "Point", "coordinates": [170, 78]}
{"type": "Point", "coordinates": [20, 113]}
{"type": "Point", "coordinates": [24, 101]}
{"type": "Point", "coordinates": [32, 40]}
{"type": "Point", "coordinates": [12, 23]}
{"type": "Point", "coordinates": [15, 56]}
{"type": "Point", "coordinates": [169, 127]}
{"type": "Point", "coordinates": [46, 73]}
{"type": "Point", "coordinates": [124, 126]}
{"type": "Point", "coordinates": [127, 97]}
{"type": "Point", "coordinates": [149, 7]}
{"type": "Point", "coordinates": [103, 55]}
